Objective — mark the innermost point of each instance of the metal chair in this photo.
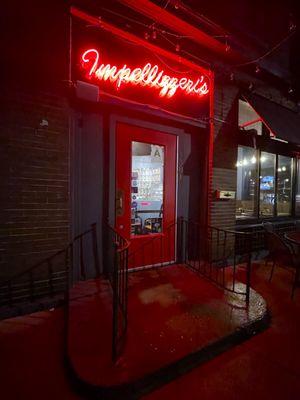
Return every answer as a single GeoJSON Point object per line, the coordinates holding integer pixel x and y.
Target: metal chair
{"type": "Point", "coordinates": [280, 253]}
{"type": "Point", "coordinates": [268, 226]}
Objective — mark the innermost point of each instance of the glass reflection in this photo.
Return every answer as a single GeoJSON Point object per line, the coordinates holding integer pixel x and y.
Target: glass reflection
{"type": "Point", "coordinates": [246, 194]}
{"type": "Point", "coordinates": [284, 186]}
{"type": "Point", "coordinates": [267, 184]}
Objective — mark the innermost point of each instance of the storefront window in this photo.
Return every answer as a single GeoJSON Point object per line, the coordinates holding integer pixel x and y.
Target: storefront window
{"type": "Point", "coordinates": [269, 189]}
{"type": "Point", "coordinates": [246, 182]}
{"type": "Point", "coordinates": [147, 187]}
{"type": "Point", "coordinates": [297, 200]}
{"type": "Point", "coordinates": [267, 184]}
{"type": "Point", "coordinates": [284, 185]}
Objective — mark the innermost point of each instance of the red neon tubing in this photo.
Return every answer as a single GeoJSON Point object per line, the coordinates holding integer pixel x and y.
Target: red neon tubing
{"type": "Point", "coordinates": [147, 75]}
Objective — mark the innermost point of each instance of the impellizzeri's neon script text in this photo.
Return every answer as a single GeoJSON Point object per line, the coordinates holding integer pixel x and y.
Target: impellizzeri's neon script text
{"type": "Point", "coordinates": [147, 75]}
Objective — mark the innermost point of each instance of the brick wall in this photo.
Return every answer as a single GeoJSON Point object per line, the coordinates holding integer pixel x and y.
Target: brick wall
{"type": "Point", "coordinates": [223, 211]}
{"type": "Point", "coordinates": [226, 143]}
{"type": "Point", "coordinates": [34, 183]}
{"type": "Point", "coordinates": [225, 154]}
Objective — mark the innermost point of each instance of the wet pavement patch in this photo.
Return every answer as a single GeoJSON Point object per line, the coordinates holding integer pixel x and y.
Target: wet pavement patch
{"type": "Point", "coordinates": [177, 320]}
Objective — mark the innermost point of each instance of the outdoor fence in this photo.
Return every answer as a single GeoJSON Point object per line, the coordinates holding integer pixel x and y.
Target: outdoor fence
{"type": "Point", "coordinates": [217, 254]}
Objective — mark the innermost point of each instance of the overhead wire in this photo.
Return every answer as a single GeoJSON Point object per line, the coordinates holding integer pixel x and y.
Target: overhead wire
{"type": "Point", "coordinates": [256, 60]}
{"type": "Point", "coordinates": [147, 26]}
{"type": "Point", "coordinates": [164, 32]}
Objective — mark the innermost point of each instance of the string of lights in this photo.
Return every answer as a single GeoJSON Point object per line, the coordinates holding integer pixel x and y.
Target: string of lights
{"type": "Point", "coordinates": [258, 59]}
{"type": "Point", "coordinates": [151, 27]}
{"type": "Point", "coordinates": [163, 61]}
{"type": "Point", "coordinates": [163, 33]}
{"type": "Point", "coordinates": [152, 30]}
{"type": "Point", "coordinates": [182, 51]}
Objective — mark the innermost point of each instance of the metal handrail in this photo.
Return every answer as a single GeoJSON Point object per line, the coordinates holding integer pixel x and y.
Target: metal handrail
{"type": "Point", "coordinates": [45, 260]}
{"type": "Point", "coordinates": [118, 277]}
{"type": "Point", "coordinates": [222, 252]}
{"type": "Point", "coordinates": [41, 278]}
{"type": "Point", "coordinates": [155, 236]}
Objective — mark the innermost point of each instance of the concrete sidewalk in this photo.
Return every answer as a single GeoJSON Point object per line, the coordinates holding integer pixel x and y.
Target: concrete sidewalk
{"type": "Point", "coordinates": [267, 367]}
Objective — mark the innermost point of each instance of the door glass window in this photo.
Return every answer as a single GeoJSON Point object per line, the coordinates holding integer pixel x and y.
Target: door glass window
{"type": "Point", "coordinates": [267, 184]}
{"type": "Point", "coordinates": [147, 188]}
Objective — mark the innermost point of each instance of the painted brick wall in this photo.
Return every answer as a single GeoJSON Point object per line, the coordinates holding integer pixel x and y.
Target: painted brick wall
{"type": "Point", "coordinates": [223, 211]}
{"type": "Point", "coordinates": [225, 153]}
{"type": "Point", "coordinates": [34, 185]}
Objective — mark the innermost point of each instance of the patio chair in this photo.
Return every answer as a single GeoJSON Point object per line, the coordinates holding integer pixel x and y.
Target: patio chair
{"type": "Point", "coordinates": [280, 253]}
{"type": "Point", "coordinates": [297, 225]}
{"type": "Point", "coordinates": [268, 226]}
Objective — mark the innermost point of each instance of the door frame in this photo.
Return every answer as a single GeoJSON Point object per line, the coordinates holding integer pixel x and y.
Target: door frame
{"type": "Point", "coordinates": [114, 119]}
{"type": "Point", "coordinates": [126, 134]}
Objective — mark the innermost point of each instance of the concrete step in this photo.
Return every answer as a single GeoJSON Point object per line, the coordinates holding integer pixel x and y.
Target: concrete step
{"type": "Point", "coordinates": [176, 321]}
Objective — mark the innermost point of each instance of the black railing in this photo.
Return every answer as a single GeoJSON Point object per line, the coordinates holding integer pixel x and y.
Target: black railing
{"type": "Point", "coordinates": [157, 250]}
{"type": "Point", "coordinates": [53, 275]}
{"type": "Point", "coordinates": [217, 254]}
{"type": "Point", "coordinates": [258, 234]}
{"type": "Point", "coordinates": [220, 255]}
{"type": "Point", "coordinates": [117, 273]}
{"type": "Point", "coordinates": [79, 260]}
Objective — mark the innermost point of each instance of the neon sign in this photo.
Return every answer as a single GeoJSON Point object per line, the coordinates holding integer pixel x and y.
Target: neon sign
{"type": "Point", "coordinates": [148, 75]}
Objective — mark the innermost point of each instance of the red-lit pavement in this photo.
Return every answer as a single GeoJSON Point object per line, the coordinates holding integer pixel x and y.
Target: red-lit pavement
{"type": "Point", "coordinates": [171, 313]}
{"type": "Point", "coordinates": [265, 367]}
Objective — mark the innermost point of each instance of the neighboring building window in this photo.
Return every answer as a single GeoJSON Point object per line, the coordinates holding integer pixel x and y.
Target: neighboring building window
{"type": "Point", "coordinates": [270, 193]}
{"type": "Point", "coordinates": [246, 182]}
{"type": "Point", "coordinates": [284, 185]}
{"type": "Point", "coordinates": [297, 200]}
{"type": "Point", "coordinates": [267, 184]}
{"type": "Point", "coordinates": [248, 118]}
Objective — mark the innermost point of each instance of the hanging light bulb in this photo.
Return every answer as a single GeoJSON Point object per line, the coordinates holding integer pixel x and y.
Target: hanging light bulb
{"type": "Point", "coordinates": [154, 34]}
{"type": "Point", "coordinates": [146, 35]}
{"type": "Point", "coordinates": [177, 47]}
{"type": "Point", "coordinates": [292, 23]}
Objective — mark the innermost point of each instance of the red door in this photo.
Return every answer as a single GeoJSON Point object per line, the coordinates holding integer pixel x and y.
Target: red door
{"type": "Point", "coordinates": [146, 193]}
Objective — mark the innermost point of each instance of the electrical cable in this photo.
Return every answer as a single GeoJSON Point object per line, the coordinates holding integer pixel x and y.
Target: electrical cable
{"type": "Point", "coordinates": [158, 57]}
{"type": "Point", "coordinates": [145, 25]}
{"type": "Point", "coordinates": [186, 52]}
{"type": "Point", "coordinates": [200, 17]}
{"type": "Point", "coordinates": [268, 52]}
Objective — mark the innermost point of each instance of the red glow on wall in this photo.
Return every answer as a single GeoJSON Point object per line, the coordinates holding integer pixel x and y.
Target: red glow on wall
{"type": "Point", "coordinates": [147, 75]}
